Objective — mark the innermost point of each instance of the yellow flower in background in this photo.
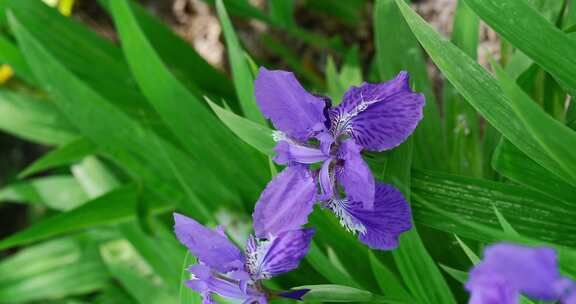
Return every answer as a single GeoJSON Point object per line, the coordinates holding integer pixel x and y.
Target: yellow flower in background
{"type": "Point", "coordinates": [6, 73]}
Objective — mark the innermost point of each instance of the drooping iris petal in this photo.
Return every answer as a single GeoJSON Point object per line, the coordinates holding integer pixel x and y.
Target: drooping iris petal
{"type": "Point", "coordinates": [285, 203]}
{"type": "Point", "coordinates": [355, 175]}
{"type": "Point", "coordinates": [528, 270]}
{"type": "Point", "coordinates": [279, 254]}
{"type": "Point", "coordinates": [291, 108]}
{"type": "Point", "coordinates": [206, 283]}
{"type": "Point", "coordinates": [209, 246]}
{"type": "Point", "coordinates": [379, 116]}
{"type": "Point", "coordinates": [379, 227]}
{"type": "Point", "coordinates": [290, 153]}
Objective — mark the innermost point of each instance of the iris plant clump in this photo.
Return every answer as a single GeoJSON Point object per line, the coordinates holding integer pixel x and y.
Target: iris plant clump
{"type": "Point", "coordinates": [320, 145]}
{"type": "Point", "coordinates": [375, 117]}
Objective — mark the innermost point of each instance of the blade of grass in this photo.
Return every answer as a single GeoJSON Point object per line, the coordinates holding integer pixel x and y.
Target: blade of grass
{"type": "Point", "coordinates": [522, 26]}
{"type": "Point", "coordinates": [411, 256]}
{"type": "Point", "coordinates": [396, 50]}
{"type": "Point", "coordinates": [34, 119]}
{"type": "Point", "coordinates": [65, 155]}
{"type": "Point", "coordinates": [241, 73]}
{"type": "Point", "coordinates": [515, 165]}
{"type": "Point", "coordinates": [482, 91]}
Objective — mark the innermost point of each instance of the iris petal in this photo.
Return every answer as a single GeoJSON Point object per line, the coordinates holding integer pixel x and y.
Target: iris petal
{"type": "Point", "coordinates": [279, 254]}
{"type": "Point", "coordinates": [532, 271]}
{"type": "Point", "coordinates": [291, 153]}
{"type": "Point", "coordinates": [379, 227]}
{"type": "Point", "coordinates": [355, 175]}
{"type": "Point", "coordinates": [286, 202]}
{"type": "Point", "coordinates": [209, 246]}
{"type": "Point", "coordinates": [291, 108]}
{"type": "Point", "coordinates": [379, 116]}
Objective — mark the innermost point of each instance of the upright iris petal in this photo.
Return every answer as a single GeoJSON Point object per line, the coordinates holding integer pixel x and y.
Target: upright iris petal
{"type": "Point", "coordinates": [291, 108]}
{"type": "Point", "coordinates": [509, 270]}
{"type": "Point", "coordinates": [379, 116]}
{"type": "Point", "coordinates": [285, 203]}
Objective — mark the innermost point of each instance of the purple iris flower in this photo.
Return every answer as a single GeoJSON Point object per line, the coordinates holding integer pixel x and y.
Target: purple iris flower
{"type": "Point", "coordinates": [224, 270]}
{"type": "Point", "coordinates": [509, 270]}
{"type": "Point", "coordinates": [375, 117]}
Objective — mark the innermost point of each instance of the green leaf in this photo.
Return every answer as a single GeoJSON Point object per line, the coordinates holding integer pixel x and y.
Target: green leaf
{"type": "Point", "coordinates": [65, 155]}
{"type": "Point", "coordinates": [416, 265]}
{"type": "Point", "coordinates": [397, 50]}
{"type": "Point", "coordinates": [51, 270]}
{"type": "Point", "coordinates": [93, 213]}
{"type": "Point", "coordinates": [194, 71]}
{"type": "Point", "coordinates": [387, 280]}
{"type": "Point", "coordinates": [256, 135]}
{"type": "Point", "coordinates": [469, 252]}
{"type": "Point", "coordinates": [59, 192]}
{"type": "Point", "coordinates": [185, 113]}
{"type": "Point", "coordinates": [322, 264]}
{"type": "Point", "coordinates": [10, 54]}
{"type": "Point", "coordinates": [133, 146]}
{"type": "Point", "coordinates": [134, 274]}
{"type": "Point", "coordinates": [531, 213]}
{"type": "Point", "coordinates": [187, 295]}
{"type": "Point", "coordinates": [515, 165]}
{"type": "Point", "coordinates": [458, 275]}
{"type": "Point", "coordinates": [559, 147]}
{"type": "Point", "coordinates": [336, 293]}
{"type": "Point", "coordinates": [462, 124]}
{"type": "Point", "coordinates": [282, 12]}
{"type": "Point", "coordinates": [530, 32]}
{"type": "Point", "coordinates": [33, 119]}
{"type": "Point", "coordinates": [481, 90]}
{"type": "Point", "coordinates": [241, 72]}
{"type": "Point", "coordinates": [83, 52]}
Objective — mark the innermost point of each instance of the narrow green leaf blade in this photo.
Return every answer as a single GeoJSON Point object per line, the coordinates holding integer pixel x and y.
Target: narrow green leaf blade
{"type": "Point", "coordinates": [515, 165]}
{"type": "Point", "coordinates": [526, 29]}
{"type": "Point", "coordinates": [256, 135]}
{"type": "Point", "coordinates": [241, 72]}
{"type": "Point", "coordinates": [64, 155]}
{"type": "Point", "coordinates": [396, 50]}
{"type": "Point", "coordinates": [479, 89]}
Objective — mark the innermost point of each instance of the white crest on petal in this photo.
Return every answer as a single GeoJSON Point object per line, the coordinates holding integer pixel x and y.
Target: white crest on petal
{"type": "Point", "coordinates": [343, 119]}
{"type": "Point", "coordinates": [279, 136]}
{"type": "Point", "coordinates": [256, 252]}
{"type": "Point", "coordinates": [339, 207]}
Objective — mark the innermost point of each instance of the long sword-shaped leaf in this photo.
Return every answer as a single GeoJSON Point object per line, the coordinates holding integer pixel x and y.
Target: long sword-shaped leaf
{"type": "Point", "coordinates": [515, 165]}
{"type": "Point", "coordinates": [522, 26]}
{"type": "Point", "coordinates": [241, 72]}
{"type": "Point", "coordinates": [396, 50]}
{"type": "Point", "coordinates": [417, 267]}
{"type": "Point", "coordinates": [531, 213]}
{"type": "Point", "coordinates": [185, 113]}
{"type": "Point", "coordinates": [483, 92]}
